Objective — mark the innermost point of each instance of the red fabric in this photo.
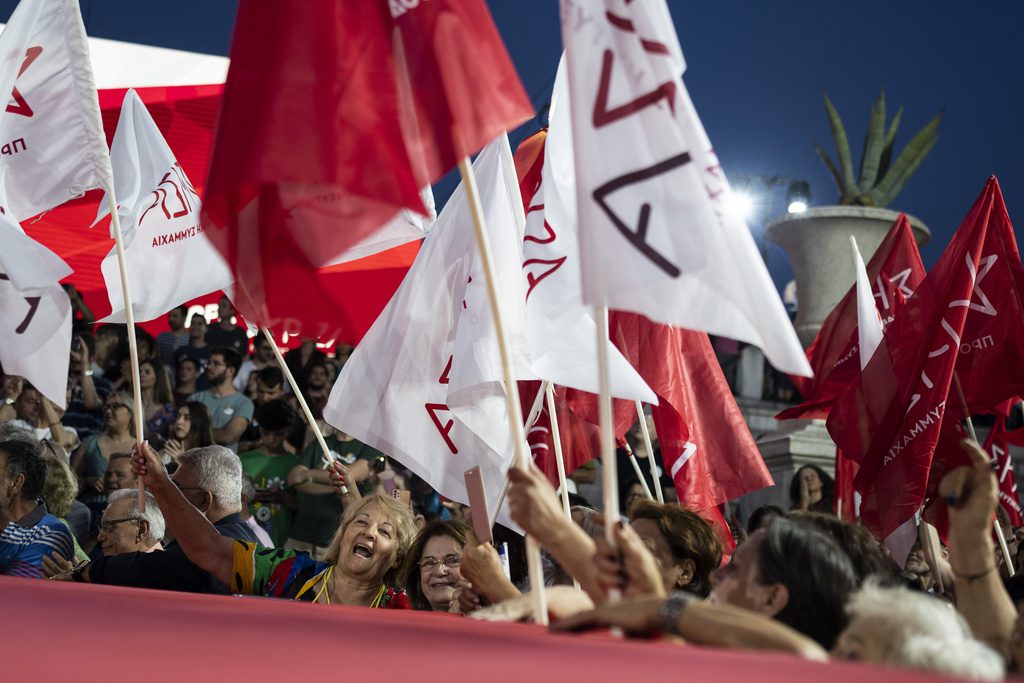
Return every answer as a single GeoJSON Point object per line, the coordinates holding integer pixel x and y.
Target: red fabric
{"type": "Point", "coordinates": [580, 439]}
{"type": "Point", "coordinates": [998, 446]}
{"type": "Point", "coordinates": [455, 75]}
{"type": "Point", "coordinates": [845, 498]}
{"type": "Point", "coordinates": [966, 315]}
{"type": "Point", "coordinates": [705, 444]}
{"type": "Point", "coordinates": [226, 638]}
{"type": "Point", "coordinates": [894, 272]}
{"type": "Point", "coordinates": [332, 122]}
{"type": "Point", "coordinates": [186, 116]}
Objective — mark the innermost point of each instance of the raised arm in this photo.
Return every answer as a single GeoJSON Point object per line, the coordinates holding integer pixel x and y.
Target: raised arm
{"type": "Point", "coordinates": [972, 495]}
{"type": "Point", "coordinates": [194, 533]}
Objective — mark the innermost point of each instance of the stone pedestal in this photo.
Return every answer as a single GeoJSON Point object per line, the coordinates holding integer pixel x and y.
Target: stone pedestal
{"type": "Point", "coordinates": [818, 244]}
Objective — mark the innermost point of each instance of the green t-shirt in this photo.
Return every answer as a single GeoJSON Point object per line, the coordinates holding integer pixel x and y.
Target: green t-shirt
{"type": "Point", "coordinates": [270, 472]}
{"type": "Point", "coordinates": [319, 515]}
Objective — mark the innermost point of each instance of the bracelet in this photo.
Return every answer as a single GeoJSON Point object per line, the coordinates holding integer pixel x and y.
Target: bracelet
{"type": "Point", "coordinates": [88, 373]}
{"type": "Point", "coordinates": [671, 609]}
{"type": "Point", "coordinates": [974, 577]}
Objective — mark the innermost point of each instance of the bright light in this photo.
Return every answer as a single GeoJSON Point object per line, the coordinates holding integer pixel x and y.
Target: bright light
{"type": "Point", "coordinates": [740, 204]}
{"type": "Point", "coordinates": [797, 206]}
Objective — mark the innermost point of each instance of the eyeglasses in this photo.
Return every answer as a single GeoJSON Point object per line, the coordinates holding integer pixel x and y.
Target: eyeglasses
{"type": "Point", "coordinates": [114, 406]}
{"type": "Point", "coordinates": [109, 524]}
{"type": "Point", "coordinates": [429, 564]}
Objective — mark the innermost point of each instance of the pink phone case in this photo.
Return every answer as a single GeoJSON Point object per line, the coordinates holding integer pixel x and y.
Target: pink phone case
{"type": "Point", "coordinates": [478, 505]}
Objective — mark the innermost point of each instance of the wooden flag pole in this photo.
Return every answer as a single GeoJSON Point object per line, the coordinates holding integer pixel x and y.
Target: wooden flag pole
{"type": "Point", "coordinates": [648, 444]}
{"type": "Point", "coordinates": [556, 440]}
{"type": "Point", "coordinates": [325, 453]}
{"type": "Point", "coordinates": [930, 540]}
{"type": "Point", "coordinates": [639, 472]}
{"type": "Point", "coordinates": [515, 414]}
{"type": "Point", "coordinates": [133, 347]}
{"type": "Point", "coordinates": [531, 420]}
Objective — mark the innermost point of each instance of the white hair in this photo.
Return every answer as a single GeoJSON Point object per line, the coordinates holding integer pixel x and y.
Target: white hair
{"type": "Point", "coordinates": [219, 471]}
{"type": "Point", "coordinates": [930, 634]}
{"type": "Point", "coordinates": [152, 515]}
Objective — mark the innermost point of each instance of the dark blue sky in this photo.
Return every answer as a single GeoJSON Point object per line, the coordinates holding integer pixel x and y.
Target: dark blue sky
{"type": "Point", "coordinates": [756, 71]}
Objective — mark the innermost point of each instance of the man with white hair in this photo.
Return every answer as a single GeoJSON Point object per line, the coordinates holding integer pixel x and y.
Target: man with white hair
{"type": "Point", "coordinates": [211, 480]}
{"type": "Point", "coordinates": [123, 529]}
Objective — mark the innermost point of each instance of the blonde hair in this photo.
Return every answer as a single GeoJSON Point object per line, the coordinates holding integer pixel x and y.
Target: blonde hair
{"type": "Point", "coordinates": [401, 517]}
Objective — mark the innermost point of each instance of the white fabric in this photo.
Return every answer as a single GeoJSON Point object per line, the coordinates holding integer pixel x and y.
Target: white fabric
{"type": "Point", "coordinates": [657, 237]}
{"type": "Point", "coordinates": [35, 316]}
{"type": "Point", "coordinates": [52, 146]}
{"type": "Point", "coordinates": [424, 385]}
{"type": "Point", "coordinates": [561, 330]}
{"type": "Point", "coordinates": [167, 256]}
{"type": "Point", "coordinates": [869, 325]}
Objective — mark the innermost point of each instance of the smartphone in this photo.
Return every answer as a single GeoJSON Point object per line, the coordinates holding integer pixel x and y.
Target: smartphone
{"type": "Point", "coordinates": [380, 464]}
{"type": "Point", "coordinates": [76, 344]}
{"type": "Point", "coordinates": [478, 505]}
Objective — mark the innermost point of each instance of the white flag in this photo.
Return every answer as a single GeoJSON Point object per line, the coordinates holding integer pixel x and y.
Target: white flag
{"type": "Point", "coordinates": [52, 146]}
{"type": "Point", "coordinates": [35, 313]}
{"type": "Point", "coordinates": [562, 331]}
{"type": "Point", "coordinates": [169, 260]}
{"type": "Point", "coordinates": [657, 238]}
{"type": "Point", "coordinates": [869, 325]}
{"type": "Point", "coordinates": [424, 385]}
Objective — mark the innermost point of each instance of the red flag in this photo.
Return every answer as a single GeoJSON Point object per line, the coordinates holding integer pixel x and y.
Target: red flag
{"type": "Point", "coordinates": [966, 315]}
{"type": "Point", "coordinates": [579, 438]}
{"type": "Point", "coordinates": [895, 270]}
{"type": "Point", "coordinates": [998, 445]}
{"type": "Point", "coordinates": [845, 496]}
{"type": "Point", "coordinates": [705, 444]}
{"type": "Point", "coordinates": [318, 145]}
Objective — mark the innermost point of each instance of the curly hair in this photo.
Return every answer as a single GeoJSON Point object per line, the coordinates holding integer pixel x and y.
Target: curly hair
{"type": "Point", "coordinates": [60, 487]}
{"type": "Point", "coordinates": [689, 538]}
{"type": "Point", "coordinates": [410, 571]}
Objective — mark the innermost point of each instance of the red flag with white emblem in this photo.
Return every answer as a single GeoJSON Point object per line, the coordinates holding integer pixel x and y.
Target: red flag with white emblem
{"type": "Point", "coordinates": [956, 348]}
{"type": "Point", "coordinates": [894, 272]}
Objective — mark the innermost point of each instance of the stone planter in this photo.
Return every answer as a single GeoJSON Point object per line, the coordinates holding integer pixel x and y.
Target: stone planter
{"type": "Point", "coordinates": [818, 243]}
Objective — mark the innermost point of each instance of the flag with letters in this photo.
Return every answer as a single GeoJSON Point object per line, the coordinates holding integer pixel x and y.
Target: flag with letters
{"type": "Point", "coordinates": [169, 260]}
{"type": "Point", "coordinates": [35, 313]}
{"type": "Point", "coordinates": [52, 145]}
{"type": "Point", "coordinates": [956, 349]}
{"type": "Point", "coordinates": [425, 384]}
{"type": "Point", "coordinates": [658, 237]}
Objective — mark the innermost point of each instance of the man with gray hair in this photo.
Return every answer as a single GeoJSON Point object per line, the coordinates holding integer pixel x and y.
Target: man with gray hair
{"type": "Point", "coordinates": [211, 480]}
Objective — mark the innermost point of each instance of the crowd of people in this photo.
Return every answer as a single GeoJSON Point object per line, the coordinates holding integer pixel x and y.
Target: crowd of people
{"type": "Point", "coordinates": [238, 502]}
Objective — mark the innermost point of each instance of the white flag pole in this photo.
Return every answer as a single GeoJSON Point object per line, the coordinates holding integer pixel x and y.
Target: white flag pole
{"type": "Point", "coordinates": [129, 317]}
{"type": "Point", "coordinates": [515, 413]}
{"type": "Point", "coordinates": [531, 420]}
{"type": "Point", "coordinates": [639, 473]}
{"type": "Point", "coordinates": [556, 440]}
{"type": "Point", "coordinates": [648, 444]}
{"type": "Point", "coordinates": [325, 453]}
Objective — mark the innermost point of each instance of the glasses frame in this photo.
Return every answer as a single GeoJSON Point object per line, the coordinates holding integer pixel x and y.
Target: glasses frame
{"type": "Point", "coordinates": [111, 524]}
{"type": "Point", "coordinates": [429, 564]}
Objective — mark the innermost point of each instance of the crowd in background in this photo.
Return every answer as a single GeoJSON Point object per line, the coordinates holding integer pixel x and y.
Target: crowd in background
{"type": "Point", "coordinates": [238, 501]}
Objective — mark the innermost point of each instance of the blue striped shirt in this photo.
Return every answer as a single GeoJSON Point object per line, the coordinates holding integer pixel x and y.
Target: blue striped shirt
{"type": "Point", "coordinates": [24, 544]}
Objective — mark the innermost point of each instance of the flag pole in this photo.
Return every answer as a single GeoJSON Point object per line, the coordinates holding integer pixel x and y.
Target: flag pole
{"type": "Point", "coordinates": [930, 538]}
{"type": "Point", "coordinates": [648, 444]}
{"type": "Point", "coordinates": [133, 348]}
{"type": "Point", "coordinates": [531, 420]}
{"type": "Point", "coordinates": [325, 453]}
{"type": "Point", "coordinates": [556, 440]}
{"type": "Point", "coordinates": [639, 472]}
{"type": "Point", "coordinates": [515, 413]}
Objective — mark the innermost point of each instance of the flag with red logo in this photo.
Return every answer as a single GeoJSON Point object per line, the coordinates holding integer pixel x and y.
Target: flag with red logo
{"type": "Point", "coordinates": [334, 117]}
{"type": "Point", "coordinates": [894, 271]}
{"type": "Point", "coordinates": [169, 259]}
{"type": "Point", "coordinates": [425, 384]}
{"type": "Point", "coordinates": [998, 446]}
{"type": "Point", "coordinates": [657, 236]}
{"type": "Point", "coordinates": [561, 330]}
{"type": "Point", "coordinates": [956, 349]}
{"type": "Point", "coordinates": [35, 313]}
{"type": "Point", "coordinates": [52, 145]}
{"type": "Point", "coordinates": [578, 438]}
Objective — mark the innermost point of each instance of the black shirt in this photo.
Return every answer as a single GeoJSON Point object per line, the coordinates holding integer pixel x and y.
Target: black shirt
{"type": "Point", "coordinates": [169, 569]}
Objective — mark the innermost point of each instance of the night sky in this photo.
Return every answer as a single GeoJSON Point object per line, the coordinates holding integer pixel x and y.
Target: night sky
{"type": "Point", "coordinates": [756, 70]}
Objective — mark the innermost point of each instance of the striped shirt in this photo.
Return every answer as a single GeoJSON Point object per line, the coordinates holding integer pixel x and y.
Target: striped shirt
{"type": "Point", "coordinates": [24, 543]}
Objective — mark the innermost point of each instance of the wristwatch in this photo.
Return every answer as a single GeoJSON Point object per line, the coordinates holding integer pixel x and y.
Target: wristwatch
{"type": "Point", "coordinates": [8, 401]}
{"type": "Point", "coordinates": [88, 373]}
{"type": "Point", "coordinates": [671, 609]}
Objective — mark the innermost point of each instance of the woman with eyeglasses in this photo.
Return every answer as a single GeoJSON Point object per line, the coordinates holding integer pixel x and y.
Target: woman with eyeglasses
{"type": "Point", "coordinates": [90, 460]}
{"type": "Point", "coordinates": [432, 568]}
